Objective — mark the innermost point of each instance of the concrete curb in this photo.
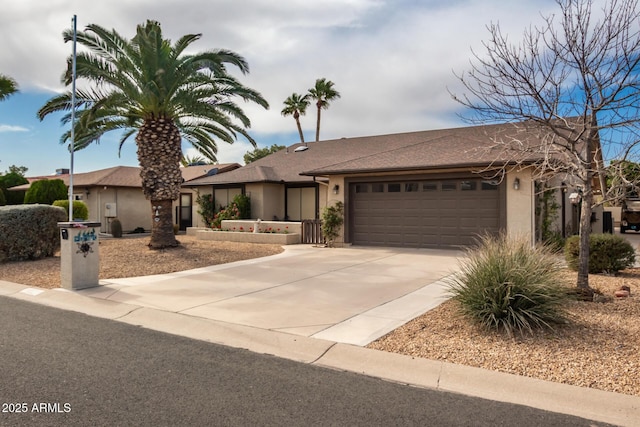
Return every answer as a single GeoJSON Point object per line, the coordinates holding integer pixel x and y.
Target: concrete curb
{"type": "Point", "coordinates": [602, 406]}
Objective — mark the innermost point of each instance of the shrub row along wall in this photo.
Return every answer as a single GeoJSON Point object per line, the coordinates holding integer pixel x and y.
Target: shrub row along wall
{"type": "Point", "coordinates": [29, 231]}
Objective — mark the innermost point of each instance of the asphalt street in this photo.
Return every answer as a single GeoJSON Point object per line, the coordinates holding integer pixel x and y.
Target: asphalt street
{"type": "Point", "coordinates": [64, 368]}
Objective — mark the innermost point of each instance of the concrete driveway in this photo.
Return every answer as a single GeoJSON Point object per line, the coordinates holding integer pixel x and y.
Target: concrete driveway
{"type": "Point", "coordinates": [351, 295]}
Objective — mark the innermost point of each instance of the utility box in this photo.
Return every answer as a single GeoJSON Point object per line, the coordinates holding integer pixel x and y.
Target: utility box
{"type": "Point", "coordinates": [110, 210]}
{"type": "Point", "coordinates": [79, 254]}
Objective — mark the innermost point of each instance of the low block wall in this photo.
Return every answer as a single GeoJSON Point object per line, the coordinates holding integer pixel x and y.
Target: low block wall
{"type": "Point", "coordinates": [247, 237]}
{"type": "Point", "coordinates": [248, 225]}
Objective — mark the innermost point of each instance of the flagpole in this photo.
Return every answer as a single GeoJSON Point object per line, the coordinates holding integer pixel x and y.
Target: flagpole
{"type": "Point", "coordinates": [73, 117]}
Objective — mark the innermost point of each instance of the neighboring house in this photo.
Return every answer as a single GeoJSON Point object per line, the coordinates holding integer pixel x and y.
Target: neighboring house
{"type": "Point", "coordinates": [117, 192]}
{"type": "Point", "coordinates": [419, 189]}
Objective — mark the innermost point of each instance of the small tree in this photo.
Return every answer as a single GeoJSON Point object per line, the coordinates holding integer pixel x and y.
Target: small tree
{"type": "Point", "coordinates": [9, 180]}
{"type": "Point", "coordinates": [332, 220]}
{"type": "Point", "coordinates": [46, 191]}
{"type": "Point", "coordinates": [571, 87]}
{"type": "Point", "coordinates": [258, 153]}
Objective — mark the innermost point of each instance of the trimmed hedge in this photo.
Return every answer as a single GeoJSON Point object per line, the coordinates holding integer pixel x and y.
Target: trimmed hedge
{"type": "Point", "coordinates": [46, 191]}
{"type": "Point", "coordinates": [608, 253]}
{"type": "Point", "coordinates": [29, 231]}
{"type": "Point", "coordinates": [80, 209]}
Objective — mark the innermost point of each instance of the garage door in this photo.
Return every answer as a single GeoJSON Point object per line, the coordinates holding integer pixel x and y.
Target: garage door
{"type": "Point", "coordinates": [426, 213]}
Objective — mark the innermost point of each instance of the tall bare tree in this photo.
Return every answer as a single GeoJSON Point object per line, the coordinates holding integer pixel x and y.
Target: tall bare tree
{"type": "Point", "coordinates": [574, 83]}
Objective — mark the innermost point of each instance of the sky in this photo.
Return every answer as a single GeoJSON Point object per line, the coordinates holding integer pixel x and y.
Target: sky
{"type": "Point", "coordinates": [393, 62]}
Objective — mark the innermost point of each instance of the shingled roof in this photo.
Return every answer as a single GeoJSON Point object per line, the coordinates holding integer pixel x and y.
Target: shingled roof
{"type": "Point", "coordinates": [124, 176]}
{"type": "Point", "coordinates": [434, 149]}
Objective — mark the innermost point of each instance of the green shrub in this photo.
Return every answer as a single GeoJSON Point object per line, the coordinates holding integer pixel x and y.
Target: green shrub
{"type": "Point", "coordinates": [240, 208]}
{"type": "Point", "coordinates": [116, 228]}
{"type": "Point", "coordinates": [243, 203]}
{"type": "Point", "coordinates": [80, 209]}
{"type": "Point", "coordinates": [332, 220]}
{"type": "Point", "coordinates": [9, 180]}
{"type": "Point", "coordinates": [206, 208]}
{"type": "Point", "coordinates": [29, 231]}
{"type": "Point", "coordinates": [509, 285]}
{"type": "Point", "coordinates": [46, 191]}
{"type": "Point", "coordinates": [3, 201]}
{"type": "Point", "coordinates": [608, 253]}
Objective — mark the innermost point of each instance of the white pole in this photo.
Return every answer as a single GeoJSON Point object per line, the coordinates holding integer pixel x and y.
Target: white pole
{"type": "Point", "coordinates": [73, 117]}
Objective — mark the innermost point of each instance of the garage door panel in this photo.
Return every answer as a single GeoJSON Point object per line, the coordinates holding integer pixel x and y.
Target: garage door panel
{"type": "Point", "coordinates": [428, 217]}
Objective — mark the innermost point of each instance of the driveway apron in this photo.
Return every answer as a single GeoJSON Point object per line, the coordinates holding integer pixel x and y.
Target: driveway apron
{"type": "Point", "coordinates": [352, 295]}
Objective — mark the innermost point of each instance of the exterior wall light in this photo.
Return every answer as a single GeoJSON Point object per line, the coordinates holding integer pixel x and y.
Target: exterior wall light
{"type": "Point", "coordinates": [516, 184]}
{"type": "Point", "coordinates": [575, 198]}
{"type": "Point", "coordinates": [336, 189]}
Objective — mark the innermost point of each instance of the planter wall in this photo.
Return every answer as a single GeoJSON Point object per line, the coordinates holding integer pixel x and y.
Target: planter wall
{"type": "Point", "coordinates": [250, 224]}
{"type": "Point", "coordinates": [247, 237]}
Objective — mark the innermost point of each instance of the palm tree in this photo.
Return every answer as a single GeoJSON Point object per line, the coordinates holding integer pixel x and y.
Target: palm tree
{"type": "Point", "coordinates": [148, 87]}
{"type": "Point", "coordinates": [296, 105]}
{"type": "Point", "coordinates": [322, 93]}
{"type": "Point", "coordinates": [8, 86]}
{"type": "Point", "coordinates": [194, 161]}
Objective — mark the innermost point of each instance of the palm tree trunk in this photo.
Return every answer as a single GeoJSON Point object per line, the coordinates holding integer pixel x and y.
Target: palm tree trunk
{"type": "Point", "coordinates": [159, 154]}
{"type": "Point", "coordinates": [162, 235]}
{"type": "Point", "coordinates": [300, 130]}
{"type": "Point", "coordinates": [318, 124]}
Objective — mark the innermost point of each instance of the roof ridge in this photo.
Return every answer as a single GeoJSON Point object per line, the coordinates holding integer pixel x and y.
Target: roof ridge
{"type": "Point", "coordinates": [382, 152]}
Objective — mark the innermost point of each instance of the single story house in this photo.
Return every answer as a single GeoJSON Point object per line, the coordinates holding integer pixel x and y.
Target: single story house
{"type": "Point", "coordinates": [117, 192]}
{"type": "Point", "coordinates": [437, 188]}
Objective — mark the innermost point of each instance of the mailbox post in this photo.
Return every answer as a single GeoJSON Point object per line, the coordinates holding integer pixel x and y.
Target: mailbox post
{"type": "Point", "coordinates": [79, 254]}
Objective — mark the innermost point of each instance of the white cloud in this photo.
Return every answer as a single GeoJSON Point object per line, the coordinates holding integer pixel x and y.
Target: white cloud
{"type": "Point", "coordinates": [392, 61]}
{"type": "Point", "coordinates": [10, 128]}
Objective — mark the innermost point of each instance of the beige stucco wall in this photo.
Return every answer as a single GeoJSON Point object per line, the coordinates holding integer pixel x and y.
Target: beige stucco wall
{"type": "Point", "coordinates": [132, 208]}
{"type": "Point", "coordinates": [520, 213]}
{"type": "Point", "coordinates": [267, 200]}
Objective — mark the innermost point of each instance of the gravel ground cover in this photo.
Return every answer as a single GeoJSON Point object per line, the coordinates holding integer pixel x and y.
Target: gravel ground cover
{"type": "Point", "coordinates": [130, 257]}
{"type": "Point", "coordinates": [599, 347]}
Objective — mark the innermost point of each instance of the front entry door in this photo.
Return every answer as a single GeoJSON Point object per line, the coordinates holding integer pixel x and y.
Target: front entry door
{"type": "Point", "coordinates": [185, 211]}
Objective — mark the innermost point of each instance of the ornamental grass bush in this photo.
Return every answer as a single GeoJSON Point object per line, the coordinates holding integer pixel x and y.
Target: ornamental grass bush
{"type": "Point", "coordinates": [508, 285]}
{"type": "Point", "coordinates": [608, 253]}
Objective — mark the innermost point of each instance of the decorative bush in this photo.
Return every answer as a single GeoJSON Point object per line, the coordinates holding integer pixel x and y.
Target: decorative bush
{"type": "Point", "coordinates": [80, 209]}
{"type": "Point", "coordinates": [240, 208]}
{"type": "Point", "coordinates": [116, 228]}
{"type": "Point", "coordinates": [207, 208]}
{"type": "Point", "coordinates": [332, 220]}
{"type": "Point", "coordinates": [46, 191]}
{"type": "Point", "coordinates": [29, 231]}
{"type": "Point", "coordinates": [509, 285]}
{"type": "Point", "coordinates": [608, 253]}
